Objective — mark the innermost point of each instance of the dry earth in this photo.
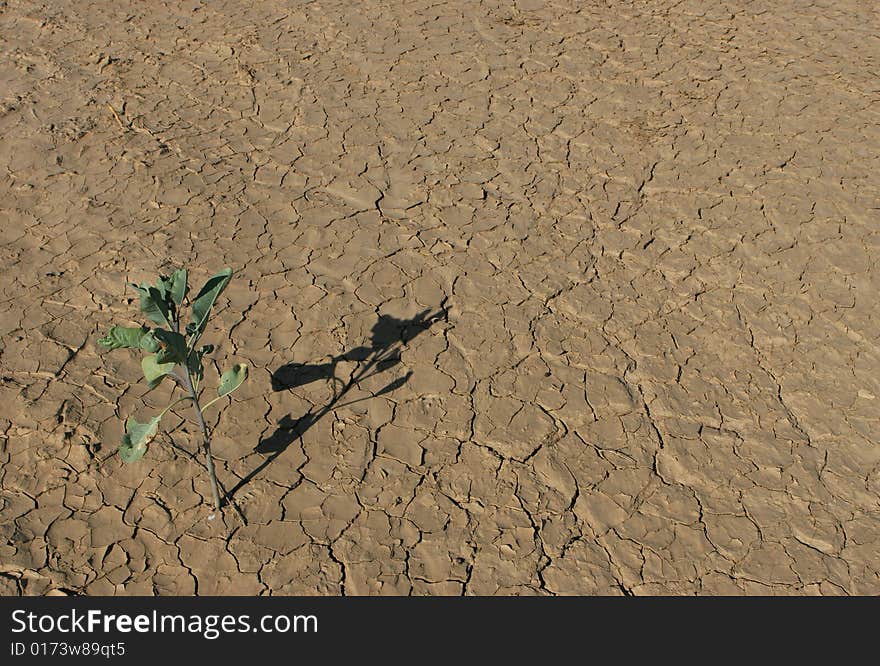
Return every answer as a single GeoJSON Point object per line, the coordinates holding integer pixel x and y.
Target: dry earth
{"type": "Point", "coordinates": [624, 252]}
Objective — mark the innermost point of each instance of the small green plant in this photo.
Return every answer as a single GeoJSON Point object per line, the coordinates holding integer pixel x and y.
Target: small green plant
{"type": "Point", "coordinates": [172, 352]}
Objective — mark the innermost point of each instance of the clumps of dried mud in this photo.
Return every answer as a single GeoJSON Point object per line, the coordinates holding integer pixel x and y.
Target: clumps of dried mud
{"type": "Point", "coordinates": [648, 232]}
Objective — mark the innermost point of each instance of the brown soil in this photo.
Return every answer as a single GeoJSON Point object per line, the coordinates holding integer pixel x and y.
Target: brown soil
{"type": "Point", "coordinates": [596, 281]}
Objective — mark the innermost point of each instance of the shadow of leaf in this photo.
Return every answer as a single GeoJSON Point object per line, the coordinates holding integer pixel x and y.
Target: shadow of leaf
{"type": "Point", "coordinates": [389, 335]}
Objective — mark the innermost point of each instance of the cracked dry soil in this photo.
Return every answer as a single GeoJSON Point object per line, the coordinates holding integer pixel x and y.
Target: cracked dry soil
{"type": "Point", "coordinates": [540, 297]}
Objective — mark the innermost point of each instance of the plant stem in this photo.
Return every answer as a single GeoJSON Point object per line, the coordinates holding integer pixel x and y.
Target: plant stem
{"type": "Point", "coordinates": [206, 440]}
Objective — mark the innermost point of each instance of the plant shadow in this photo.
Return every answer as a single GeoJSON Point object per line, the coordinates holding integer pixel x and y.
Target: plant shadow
{"type": "Point", "coordinates": [388, 338]}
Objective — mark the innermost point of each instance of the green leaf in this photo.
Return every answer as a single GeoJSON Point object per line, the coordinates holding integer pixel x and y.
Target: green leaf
{"type": "Point", "coordinates": [137, 436]}
{"type": "Point", "coordinates": [149, 305]}
{"type": "Point", "coordinates": [195, 365]}
{"type": "Point", "coordinates": [172, 347]}
{"type": "Point", "coordinates": [155, 372]}
{"type": "Point", "coordinates": [149, 342]}
{"type": "Point", "coordinates": [161, 298]}
{"type": "Point", "coordinates": [161, 287]}
{"type": "Point", "coordinates": [232, 379]}
{"type": "Point", "coordinates": [177, 286]}
{"type": "Point", "coordinates": [122, 337]}
{"type": "Point", "coordinates": [204, 301]}
{"type": "Point", "coordinates": [196, 368]}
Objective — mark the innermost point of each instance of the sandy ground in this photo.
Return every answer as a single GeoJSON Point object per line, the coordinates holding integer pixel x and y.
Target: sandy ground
{"type": "Point", "coordinates": [594, 280]}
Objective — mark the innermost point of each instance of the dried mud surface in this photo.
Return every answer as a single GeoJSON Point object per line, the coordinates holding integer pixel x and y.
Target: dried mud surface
{"type": "Point", "coordinates": [591, 283]}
